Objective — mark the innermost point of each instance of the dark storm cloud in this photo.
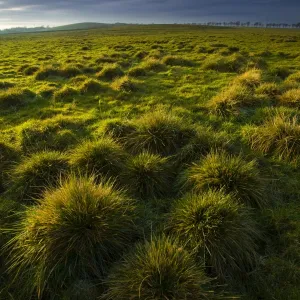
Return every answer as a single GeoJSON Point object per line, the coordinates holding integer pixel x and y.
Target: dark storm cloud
{"type": "Point", "coordinates": [150, 10]}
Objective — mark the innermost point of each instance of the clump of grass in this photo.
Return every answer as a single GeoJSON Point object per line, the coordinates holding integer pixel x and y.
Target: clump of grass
{"type": "Point", "coordinates": [30, 70]}
{"type": "Point", "coordinates": [110, 71]}
{"type": "Point", "coordinates": [54, 135]}
{"type": "Point", "coordinates": [69, 71]}
{"type": "Point", "coordinates": [124, 84]}
{"type": "Point", "coordinates": [35, 173]}
{"type": "Point", "coordinates": [294, 78]}
{"type": "Point", "coordinates": [232, 174]}
{"type": "Point", "coordinates": [105, 59]}
{"type": "Point", "coordinates": [201, 144]}
{"type": "Point", "coordinates": [137, 72]}
{"type": "Point", "coordinates": [75, 232]}
{"type": "Point", "coordinates": [160, 132]}
{"type": "Point", "coordinates": [91, 86]}
{"type": "Point", "coordinates": [148, 176]}
{"type": "Point", "coordinates": [141, 54]}
{"type": "Point", "coordinates": [280, 72]}
{"type": "Point", "coordinates": [119, 130]}
{"type": "Point", "coordinates": [45, 72]}
{"type": "Point", "coordinates": [177, 61]}
{"type": "Point", "coordinates": [47, 91]}
{"type": "Point", "coordinates": [65, 94]}
{"type": "Point", "coordinates": [8, 156]}
{"type": "Point", "coordinates": [82, 289]}
{"type": "Point", "coordinates": [257, 63]}
{"type": "Point", "coordinates": [157, 270]}
{"type": "Point", "coordinates": [231, 100]}
{"type": "Point", "coordinates": [232, 63]}
{"type": "Point", "coordinates": [6, 85]}
{"type": "Point", "coordinates": [290, 97]}
{"type": "Point", "coordinates": [218, 230]}
{"type": "Point", "coordinates": [251, 78]}
{"type": "Point", "coordinates": [14, 97]}
{"type": "Point", "coordinates": [268, 89]}
{"type": "Point", "coordinates": [279, 135]}
{"type": "Point", "coordinates": [233, 49]}
{"type": "Point", "coordinates": [153, 64]}
{"type": "Point", "coordinates": [155, 54]}
{"type": "Point", "coordinates": [66, 71]}
{"type": "Point", "coordinates": [102, 157]}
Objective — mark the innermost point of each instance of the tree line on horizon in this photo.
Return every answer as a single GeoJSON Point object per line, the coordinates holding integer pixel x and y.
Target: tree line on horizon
{"type": "Point", "coordinates": [222, 24]}
{"type": "Point", "coordinates": [256, 24]}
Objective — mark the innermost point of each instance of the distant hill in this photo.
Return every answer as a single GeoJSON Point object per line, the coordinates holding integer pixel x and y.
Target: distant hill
{"type": "Point", "coordinates": [78, 26]}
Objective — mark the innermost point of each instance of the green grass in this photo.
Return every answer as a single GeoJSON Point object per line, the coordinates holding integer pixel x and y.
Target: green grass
{"type": "Point", "coordinates": [74, 233]}
{"type": "Point", "coordinates": [110, 72]}
{"type": "Point", "coordinates": [103, 157]}
{"type": "Point", "coordinates": [278, 135]}
{"type": "Point", "coordinates": [159, 269]}
{"type": "Point", "coordinates": [147, 176]}
{"type": "Point", "coordinates": [15, 98]}
{"type": "Point", "coordinates": [160, 132]}
{"type": "Point", "coordinates": [231, 174]}
{"type": "Point", "coordinates": [214, 107]}
{"type": "Point", "coordinates": [33, 174]}
{"type": "Point", "coordinates": [218, 231]}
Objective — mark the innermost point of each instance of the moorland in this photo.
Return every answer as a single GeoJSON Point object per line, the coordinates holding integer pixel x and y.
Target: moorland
{"type": "Point", "coordinates": [150, 162]}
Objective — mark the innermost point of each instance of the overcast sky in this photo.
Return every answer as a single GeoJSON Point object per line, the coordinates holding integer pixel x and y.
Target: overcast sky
{"type": "Point", "coordinates": [56, 12]}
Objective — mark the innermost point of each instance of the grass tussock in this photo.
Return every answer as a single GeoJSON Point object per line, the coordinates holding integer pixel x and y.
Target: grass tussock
{"type": "Point", "coordinates": [6, 85]}
{"type": "Point", "coordinates": [294, 78]}
{"type": "Point", "coordinates": [268, 89]}
{"type": "Point", "coordinates": [91, 86]}
{"type": "Point", "coordinates": [124, 84]}
{"type": "Point", "coordinates": [105, 59]}
{"type": "Point", "coordinates": [201, 144]}
{"type": "Point", "coordinates": [119, 129]}
{"type": "Point", "coordinates": [37, 172]}
{"type": "Point", "coordinates": [153, 64]}
{"type": "Point", "coordinates": [65, 94]}
{"type": "Point", "coordinates": [148, 176]}
{"type": "Point", "coordinates": [15, 97]}
{"type": "Point", "coordinates": [31, 70]}
{"type": "Point", "coordinates": [290, 98]}
{"type": "Point", "coordinates": [232, 63]}
{"type": "Point", "coordinates": [74, 233]}
{"type": "Point", "coordinates": [52, 135]}
{"type": "Point", "coordinates": [66, 71]}
{"type": "Point", "coordinates": [231, 100]}
{"type": "Point", "coordinates": [231, 174]}
{"type": "Point", "coordinates": [101, 157]}
{"type": "Point", "coordinates": [156, 270]}
{"type": "Point", "coordinates": [219, 231]}
{"type": "Point", "coordinates": [280, 72]}
{"type": "Point", "coordinates": [110, 72]}
{"type": "Point", "coordinates": [8, 156]}
{"type": "Point", "coordinates": [177, 61]}
{"type": "Point", "coordinates": [46, 91]}
{"type": "Point", "coordinates": [137, 71]}
{"type": "Point", "coordinates": [251, 78]}
{"type": "Point", "coordinates": [279, 135]}
{"type": "Point", "coordinates": [161, 132]}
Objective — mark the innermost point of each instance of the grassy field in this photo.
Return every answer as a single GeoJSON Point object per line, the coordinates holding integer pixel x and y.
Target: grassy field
{"type": "Point", "coordinates": [150, 162]}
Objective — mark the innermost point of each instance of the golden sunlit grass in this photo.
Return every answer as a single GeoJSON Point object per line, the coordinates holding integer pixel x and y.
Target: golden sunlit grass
{"type": "Point", "coordinates": [279, 135]}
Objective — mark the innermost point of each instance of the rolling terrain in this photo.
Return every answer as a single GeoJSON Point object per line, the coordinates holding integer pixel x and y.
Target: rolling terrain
{"type": "Point", "coordinates": [150, 162]}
